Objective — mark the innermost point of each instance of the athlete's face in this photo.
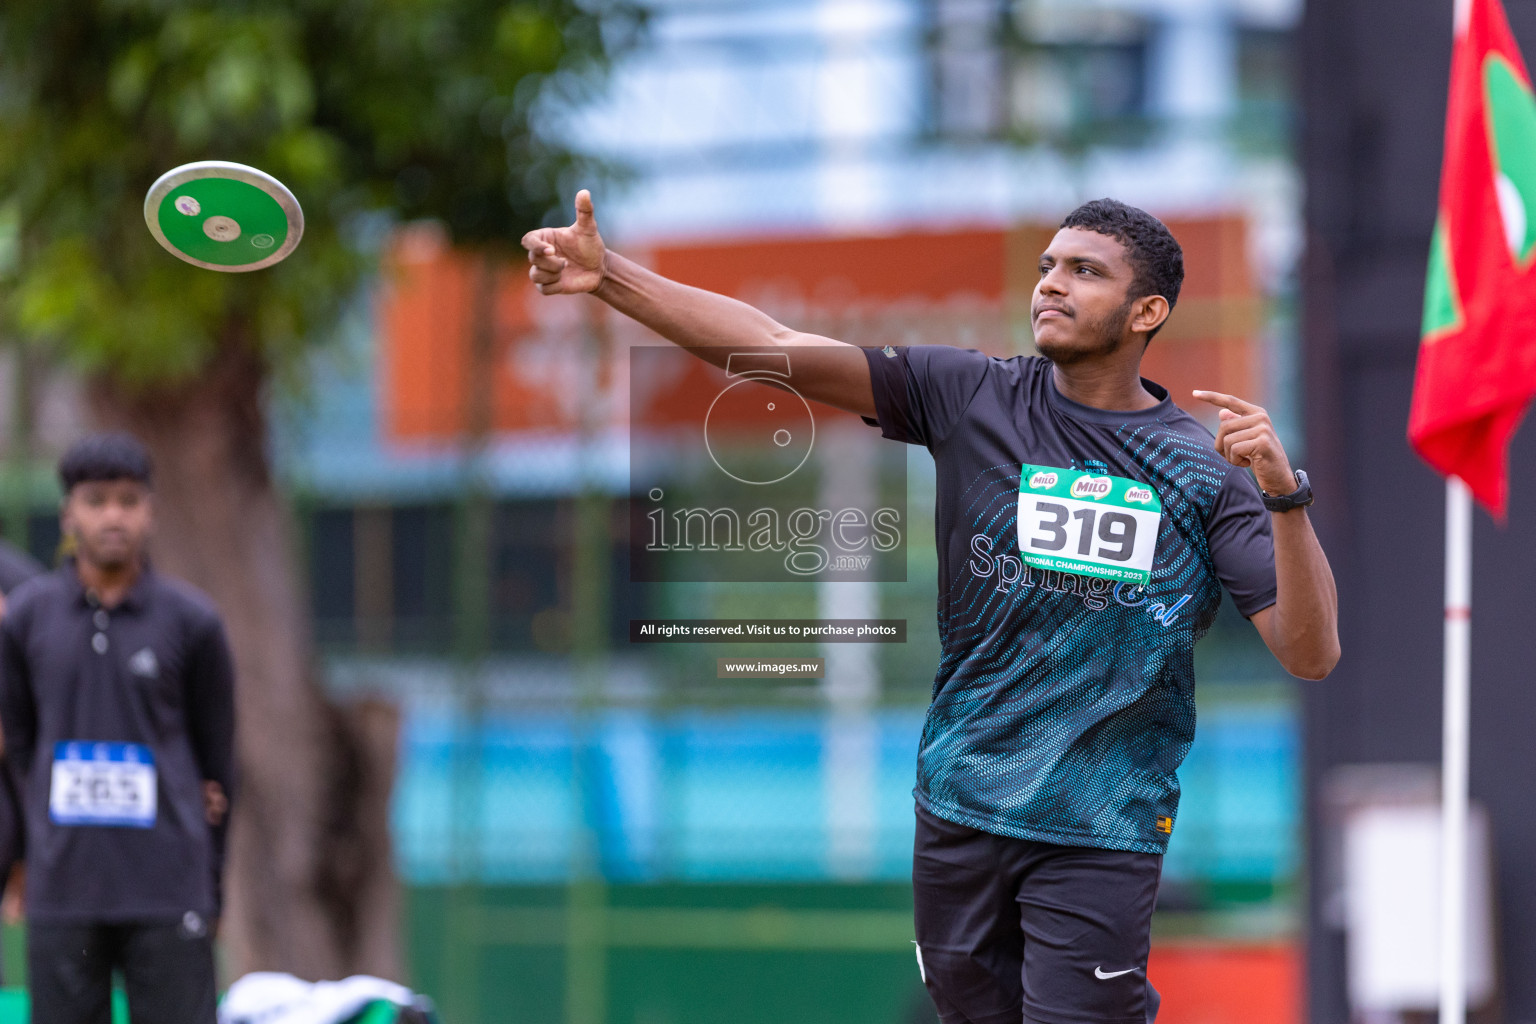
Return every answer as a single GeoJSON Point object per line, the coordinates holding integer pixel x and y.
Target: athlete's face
{"type": "Point", "coordinates": [109, 521]}
{"type": "Point", "coordinates": [1082, 307]}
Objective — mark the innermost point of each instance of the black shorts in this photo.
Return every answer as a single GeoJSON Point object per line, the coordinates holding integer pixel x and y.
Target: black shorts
{"type": "Point", "coordinates": [167, 970]}
{"type": "Point", "coordinates": [1009, 926]}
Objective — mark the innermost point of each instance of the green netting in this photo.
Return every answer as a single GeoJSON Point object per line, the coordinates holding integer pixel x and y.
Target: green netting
{"type": "Point", "coordinates": [14, 1008]}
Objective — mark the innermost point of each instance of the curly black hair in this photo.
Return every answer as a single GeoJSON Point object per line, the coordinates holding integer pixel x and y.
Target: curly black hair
{"type": "Point", "coordinates": [101, 457]}
{"type": "Point", "coordinates": [1154, 253]}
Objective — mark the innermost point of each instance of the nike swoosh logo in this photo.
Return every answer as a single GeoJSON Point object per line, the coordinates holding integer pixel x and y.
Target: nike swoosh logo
{"type": "Point", "coordinates": [1102, 975]}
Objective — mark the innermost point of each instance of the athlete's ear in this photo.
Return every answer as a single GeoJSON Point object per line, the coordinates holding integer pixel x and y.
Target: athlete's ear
{"type": "Point", "coordinates": [1149, 313]}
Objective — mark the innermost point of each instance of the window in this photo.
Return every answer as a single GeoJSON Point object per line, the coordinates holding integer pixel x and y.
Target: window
{"type": "Point", "coordinates": [1050, 72]}
{"type": "Point", "coordinates": [382, 578]}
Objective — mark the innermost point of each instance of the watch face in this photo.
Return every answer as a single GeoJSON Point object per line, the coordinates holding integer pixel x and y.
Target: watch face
{"type": "Point", "coordinates": [759, 430]}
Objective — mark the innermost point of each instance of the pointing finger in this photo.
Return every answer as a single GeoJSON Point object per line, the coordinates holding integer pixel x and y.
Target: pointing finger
{"type": "Point", "coordinates": [1222, 401]}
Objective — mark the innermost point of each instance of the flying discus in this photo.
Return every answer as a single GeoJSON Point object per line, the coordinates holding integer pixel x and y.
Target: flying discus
{"type": "Point", "coordinates": [224, 216]}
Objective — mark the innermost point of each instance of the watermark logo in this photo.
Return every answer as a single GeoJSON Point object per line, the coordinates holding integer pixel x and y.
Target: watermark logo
{"type": "Point", "coordinates": [811, 540]}
{"type": "Point", "coordinates": [735, 475]}
{"type": "Point", "coordinates": [765, 412]}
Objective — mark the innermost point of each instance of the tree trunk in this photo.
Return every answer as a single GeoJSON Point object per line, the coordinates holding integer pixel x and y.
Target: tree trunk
{"type": "Point", "coordinates": [309, 883]}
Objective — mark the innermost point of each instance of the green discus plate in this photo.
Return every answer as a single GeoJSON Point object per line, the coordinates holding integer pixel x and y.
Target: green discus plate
{"type": "Point", "coordinates": [224, 216]}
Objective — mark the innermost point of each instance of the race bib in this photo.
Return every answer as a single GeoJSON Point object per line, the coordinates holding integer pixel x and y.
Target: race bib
{"type": "Point", "coordinates": [1088, 525]}
{"type": "Point", "coordinates": [102, 784]}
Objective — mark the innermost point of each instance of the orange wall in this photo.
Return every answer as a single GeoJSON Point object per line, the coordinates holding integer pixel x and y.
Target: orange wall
{"type": "Point", "coordinates": [425, 321]}
{"type": "Point", "coordinates": [1219, 983]}
{"type": "Point", "coordinates": [885, 269]}
{"type": "Point", "coordinates": [870, 287]}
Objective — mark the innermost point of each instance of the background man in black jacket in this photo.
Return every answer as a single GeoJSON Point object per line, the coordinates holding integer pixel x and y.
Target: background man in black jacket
{"type": "Point", "coordinates": [117, 702]}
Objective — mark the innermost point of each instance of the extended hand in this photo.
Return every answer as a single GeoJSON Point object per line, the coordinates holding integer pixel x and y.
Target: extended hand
{"type": "Point", "coordinates": [1246, 437]}
{"type": "Point", "coordinates": [567, 261]}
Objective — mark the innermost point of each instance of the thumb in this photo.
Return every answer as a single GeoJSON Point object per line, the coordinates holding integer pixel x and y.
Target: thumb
{"type": "Point", "coordinates": [586, 219]}
{"type": "Point", "coordinates": [1228, 414]}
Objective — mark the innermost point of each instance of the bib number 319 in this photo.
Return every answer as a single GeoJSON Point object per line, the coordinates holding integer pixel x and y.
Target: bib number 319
{"type": "Point", "coordinates": [1088, 525]}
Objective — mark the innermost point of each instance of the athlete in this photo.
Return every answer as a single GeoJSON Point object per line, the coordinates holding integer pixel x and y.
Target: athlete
{"type": "Point", "coordinates": [1085, 528]}
{"type": "Point", "coordinates": [117, 702]}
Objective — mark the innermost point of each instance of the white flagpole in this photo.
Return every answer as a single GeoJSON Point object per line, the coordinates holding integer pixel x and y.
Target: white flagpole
{"type": "Point", "coordinates": [1454, 751]}
{"type": "Point", "coordinates": [1455, 741]}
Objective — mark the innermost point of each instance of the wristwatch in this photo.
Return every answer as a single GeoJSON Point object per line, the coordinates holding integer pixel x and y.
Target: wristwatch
{"type": "Point", "coordinates": [1301, 497]}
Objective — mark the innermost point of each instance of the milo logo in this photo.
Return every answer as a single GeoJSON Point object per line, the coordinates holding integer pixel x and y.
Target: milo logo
{"type": "Point", "coordinates": [1042, 480]}
{"type": "Point", "coordinates": [1094, 487]}
{"type": "Point", "coordinates": [1140, 495]}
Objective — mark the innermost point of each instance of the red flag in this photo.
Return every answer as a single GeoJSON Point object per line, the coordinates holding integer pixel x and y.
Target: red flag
{"type": "Point", "coordinates": [1477, 358]}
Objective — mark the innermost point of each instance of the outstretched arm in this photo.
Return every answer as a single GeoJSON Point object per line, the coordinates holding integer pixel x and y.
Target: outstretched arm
{"type": "Point", "coordinates": [1302, 626]}
{"type": "Point", "coordinates": [572, 260]}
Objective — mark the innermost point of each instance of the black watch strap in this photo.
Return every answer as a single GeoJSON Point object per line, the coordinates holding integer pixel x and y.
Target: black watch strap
{"type": "Point", "coordinates": [1301, 497]}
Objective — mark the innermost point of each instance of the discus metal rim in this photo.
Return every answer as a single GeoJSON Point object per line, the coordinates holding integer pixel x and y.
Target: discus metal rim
{"type": "Point", "coordinates": [202, 170]}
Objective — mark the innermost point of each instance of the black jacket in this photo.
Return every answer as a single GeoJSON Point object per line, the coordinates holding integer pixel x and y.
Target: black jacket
{"type": "Point", "coordinates": [154, 672]}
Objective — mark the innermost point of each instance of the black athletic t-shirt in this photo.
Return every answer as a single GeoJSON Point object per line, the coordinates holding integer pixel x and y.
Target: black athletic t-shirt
{"type": "Point", "coordinates": [113, 718]}
{"type": "Point", "coordinates": [1064, 700]}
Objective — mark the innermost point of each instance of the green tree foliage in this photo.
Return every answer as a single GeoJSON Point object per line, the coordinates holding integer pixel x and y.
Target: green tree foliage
{"type": "Point", "coordinates": [372, 111]}
{"type": "Point", "coordinates": [413, 108]}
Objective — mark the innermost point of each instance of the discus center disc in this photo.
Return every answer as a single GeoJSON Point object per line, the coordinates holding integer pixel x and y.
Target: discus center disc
{"type": "Point", "coordinates": [222, 229]}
